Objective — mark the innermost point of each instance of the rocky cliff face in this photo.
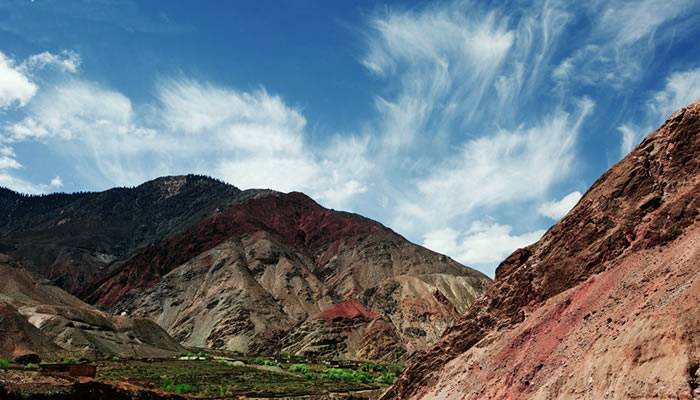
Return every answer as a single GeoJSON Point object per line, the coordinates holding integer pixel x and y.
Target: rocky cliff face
{"type": "Point", "coordinates": [604, 306]}
{"type": "Point", "coordinates": [246, 278]}
{"type": "Point", "coordinates": [73, 239]}
{"type": "Point", "coordinates": [39, 318]}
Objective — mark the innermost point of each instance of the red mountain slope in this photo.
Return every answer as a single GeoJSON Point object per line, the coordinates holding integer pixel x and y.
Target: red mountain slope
{"type": "Point", "coordinates": [249, 277]}
{"type": "Point", "coordinates": [604, 306]}
{"type": "Point", "coordinates": [292, 218]}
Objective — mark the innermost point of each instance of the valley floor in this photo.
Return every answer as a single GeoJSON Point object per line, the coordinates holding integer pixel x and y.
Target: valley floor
{"type": "Point", "coordinates": [199, 379]}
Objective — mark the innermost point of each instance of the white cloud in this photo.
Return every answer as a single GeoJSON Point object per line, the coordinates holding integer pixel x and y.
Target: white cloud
{"type": "Point", "coordinates": [484, 244]}
{"type": "Point", "coordinates": [557, 209]}
{"type": "Point", "coordinates": [631, 136]}
{"type": "Point", "coordinates": [564, 69]}
{"type": "Point", "coordinates": [8, 162]}
{"type": "Point", "coordinates": [510, 166]}
{"type": "Point", "coordinates": [75, 108]}
{"type": "Point", "coordinates": [251, 139]}
{"type": "Point", "coordinates": [66, 61]}
{"type": "Point", "coordinates": [15, 86]}
{"type": "Point", "coordinates": [56, 182]}
{"type": "Point", "coordinates": [682, 88]}
{"type": "Point", "coordinates": [440, 58]}
{"type": "Point", "coordinates": [628, 22]}
{"type": "Point", "coordinates": [623, 40]}
{"type": "Point", "coordinates": [18, 185]}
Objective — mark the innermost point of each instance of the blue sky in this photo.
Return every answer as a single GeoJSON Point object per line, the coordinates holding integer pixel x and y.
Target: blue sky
{"type": "Point", "coordinates": [467, 126]}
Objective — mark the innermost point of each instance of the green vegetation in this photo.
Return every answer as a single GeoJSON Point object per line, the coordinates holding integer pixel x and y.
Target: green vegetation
{"type": "Point", "coordinates": [236, 363]}
{"type": "Point", "coordinates": [372, 367]}
{"type": "Point", "coordinates": [386, 378]}
{"type": "Point", "coordinates": [4, 364]}
{"type": "Point", "coordinates": [167, 385]}
{"type": "Point", "coordinates": [31, 365]}
{"type": "Point", "coordinates": [219, 378]}
{"type": "Point", "coordinates": [396, 368]}
{"type": "Point", "coordinates": [303, 368]}
{"type": "Point", "coordinates": [348, 375]}
{"type": "Point", "coordinates": [263, 361]}
{"type": "Point", "coordinates": [115, 358]}
{"type": "Point", "coordinates": [182, 388]}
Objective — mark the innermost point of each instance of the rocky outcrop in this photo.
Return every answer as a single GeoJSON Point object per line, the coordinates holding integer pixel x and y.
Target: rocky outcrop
{"type": "Point", "coordinates": [75, 238]}
{"type": "Point", "coordinates": [40, 318]}
{"type": "Point", "coordinates": [247, 278]}
{"type": "Point", "coordinates": [604, 306]}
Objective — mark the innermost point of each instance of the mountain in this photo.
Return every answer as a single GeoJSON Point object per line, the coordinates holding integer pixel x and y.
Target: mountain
{"type": "Point", "coordinates": [75, 238]}
{"type": "Point", "coordinates": [251, 271]}
{"type": "Point", "coordinates": [39, 318]}
{"type": "Point", "coordinates": [254, 277]}
{"type": "Point", "coordinates": [604, 306]}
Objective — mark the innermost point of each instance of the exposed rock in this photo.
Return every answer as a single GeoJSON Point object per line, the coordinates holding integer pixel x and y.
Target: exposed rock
{"type": "Point", "coordinates": [38, 319]}
{"type": "Point", "coordinates": [604, 306]}
{"type": "Point", "coordinates": [249, 277]}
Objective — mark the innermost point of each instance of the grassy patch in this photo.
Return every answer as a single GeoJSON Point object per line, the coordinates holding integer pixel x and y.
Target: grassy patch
{"type": "Point", "coordinates": [215, 378]}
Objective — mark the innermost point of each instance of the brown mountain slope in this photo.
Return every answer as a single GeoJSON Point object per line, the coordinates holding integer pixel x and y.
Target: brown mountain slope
{"type": "Point", "coordinates": [18, 337]}
{"type": "Point", "coordinates": [43, 319]}
{"type": "Point", "coordinates": [248, 277]}
{"type": "Point", "coordinates": [74, 238]}
{"type": "Point", "coordinates": [604, 306]}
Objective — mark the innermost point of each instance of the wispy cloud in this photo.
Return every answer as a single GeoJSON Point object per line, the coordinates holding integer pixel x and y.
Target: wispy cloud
{"type": "Point", "coordinates": [442, 62]}
{"type": "Point", "coordinates": [507, 167]}
{"type": "Point", "coordinates": [681, 89]}
{"type": "Point", "coordinates": [559, 208]}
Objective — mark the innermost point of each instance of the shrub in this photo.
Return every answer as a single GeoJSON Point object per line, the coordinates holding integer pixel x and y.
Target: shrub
{"type": "Point", "coordinates": [308, 375]}
{"type": "Point", "coordinates": [259, 361]}
{"type": "Point", "coordinates": [344, 374]}
{"type": "Point", "coordinates": [115, 358]}
{"type": "Point", "coordinates": [182, 388]}
{"type": "Point", "coordinates": [231, 363]}
{"type": "Point", "coordinates": [387, 377]}
{"type": "Point", "coordinates": [31, 365]}
{"type": "Point", "coordinates": [372, 367]}
{"type": "Point", "coordinates": [168, 384]}
{"type": "Point", "coordinates": [303, 368]}
{"type": "Point", "coordinates": [4, 364]}
{"type": "Point", "coordinates": [396, 368]}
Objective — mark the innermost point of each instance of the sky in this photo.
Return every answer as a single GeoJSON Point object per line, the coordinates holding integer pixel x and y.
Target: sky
{"type": "Point", "coordinates": [469, 127]}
